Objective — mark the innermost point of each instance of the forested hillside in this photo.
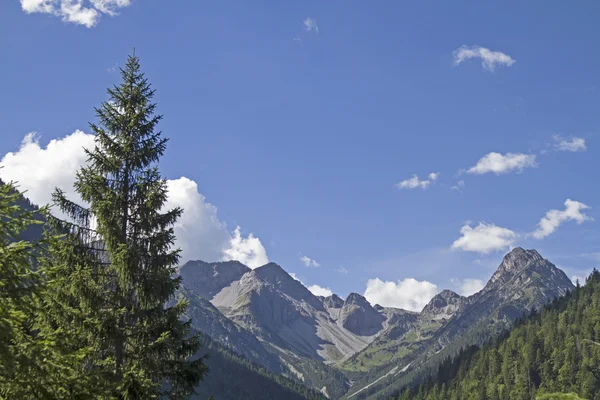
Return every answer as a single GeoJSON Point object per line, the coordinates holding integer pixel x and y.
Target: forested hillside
{"type": "Point", "coordinates": [233, 377]}
{"type": "Point", "coordinates": [554, 351]}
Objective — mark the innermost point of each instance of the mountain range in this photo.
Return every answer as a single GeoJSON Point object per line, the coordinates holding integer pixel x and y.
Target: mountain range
{"type": "Point", "coordinates": [349, 348]}
{"type": "Point", "coordinates": [268, 335]}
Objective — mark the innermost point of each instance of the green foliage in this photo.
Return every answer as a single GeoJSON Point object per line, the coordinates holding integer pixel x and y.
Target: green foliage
{"type": "Point", "coordinates": [19, 287]}
{"type": "Point", "coordinates": [551, 352]}
{"type": "Point", "coordinates": [559, 396]}
{"type": "Point", "coordinates": [32, 366]}
{"type": "Point", "coordinates": [112, 274]}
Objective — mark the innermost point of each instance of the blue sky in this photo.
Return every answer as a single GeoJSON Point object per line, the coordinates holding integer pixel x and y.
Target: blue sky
{"type": "Point", "coordinates": [300, 130]}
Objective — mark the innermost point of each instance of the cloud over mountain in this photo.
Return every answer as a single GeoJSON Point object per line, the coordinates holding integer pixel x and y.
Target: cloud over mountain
{"type": "Point", "coordinates": [200, 234]}
{"type": "Point", "coordinates": [409, 294]}
{"type": "Point", "coordinates": [484, 238]}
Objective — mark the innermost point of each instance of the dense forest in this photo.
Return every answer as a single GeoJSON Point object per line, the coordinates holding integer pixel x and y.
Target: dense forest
{"type": "Point", "coordinates": [552, 354]}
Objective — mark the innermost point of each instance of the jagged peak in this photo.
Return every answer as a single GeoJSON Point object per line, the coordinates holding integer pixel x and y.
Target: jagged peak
{"type": "Point", "coordinates": [274, 274]}
{"type": "Point", "coordinates": [521, 253]}
{"type": "Point", "coordinates": [271, 270]}
{"type": "Point", "coordinates": [333, 301]}
{"type": "Point", "coordinates": [357, 299]}
{"type": "Point", "coordinates": [207, 279]}
{"type": "Point", "coordinates": [448, 294]}
{"type": "Point", "coordinates": [521, 264]}
{"type": "Point", "coordinates": [517, 259]}
{"type": "Point", "coordinates": [446, 302]}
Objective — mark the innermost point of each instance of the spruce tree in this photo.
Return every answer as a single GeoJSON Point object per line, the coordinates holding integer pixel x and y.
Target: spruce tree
{"type": "Point", "coordinates": [19, 285]}
{"type": "Point", "coordinates": [113, 274]}
{"type": "Point", "coordinates": [31, 365]}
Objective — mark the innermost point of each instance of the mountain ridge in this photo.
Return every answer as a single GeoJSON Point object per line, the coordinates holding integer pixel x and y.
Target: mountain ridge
{"type": "Point", "coordinates": [304, 331]}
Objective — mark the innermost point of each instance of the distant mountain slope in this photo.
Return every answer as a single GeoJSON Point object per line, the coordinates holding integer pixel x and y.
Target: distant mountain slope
{"type": "Point", "coordinates": [208, 320]}
{"type": "Point", "coordinates": [208, 279]}
{"type": "Point", "coordinates": [232, 377]}
{"type": "Point", "coordinates": [554, 351]}
{"type": "Point", "coordinates": [281, 311]}
{"type": "Point", "coordinates": [33, 232]}
{"type": "Point", "coordinates": [410, 348]}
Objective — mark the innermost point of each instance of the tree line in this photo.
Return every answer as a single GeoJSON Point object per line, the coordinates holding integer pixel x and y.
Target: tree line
{"type": "Point", "coordinates": [552, 354]}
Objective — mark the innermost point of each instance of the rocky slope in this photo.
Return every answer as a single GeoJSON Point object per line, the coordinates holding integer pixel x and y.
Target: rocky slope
{"type": "Point", "coordinates": [281, 311]}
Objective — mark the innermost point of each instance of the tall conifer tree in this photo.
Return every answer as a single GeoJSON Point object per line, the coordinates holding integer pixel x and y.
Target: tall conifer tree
{"type": "Point", "coordinates": [114, 273]}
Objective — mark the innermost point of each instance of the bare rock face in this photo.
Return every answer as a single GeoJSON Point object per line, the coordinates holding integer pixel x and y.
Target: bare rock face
{"type": "Point", "coordinates": [359, 317]}
{"type": "Point", "coordinates": [444, 305]}
{"type": "Point", "coordinates": [333, 301]}
{"type": "Point", "coordinates": [525, 273]}
{"type": "Point", "coordinates": [208, 279]}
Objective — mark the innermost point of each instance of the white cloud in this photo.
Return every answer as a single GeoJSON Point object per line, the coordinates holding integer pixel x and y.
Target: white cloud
{"type": "Point", "coordinates": [574, 144]}
{"type": "Point", "coordinates": [40, 170]}
{"type": "Point", "coordinates": [501, 164]}
{"type": "Point", "coordinates": [86, 13]}
{"type": "Point", "coordinates": [42, 6]}
{"type": "Point", "coordinates": [74, 11]}
{"type": "Point", "coordinates": [459, 186]}
{"type": "Point", "coordinates": [310, 24]}
{"type": "Point", "coordinates": [249, 250]}
{"type": "Point", "coordinates": [314, 289]}
{"type": "Point", "coordinates": [320, 291]}
{"type": "Point", "coordinates": [200, 234]}
{"type": "Point", "coordinates": [110, 7]}
{"type": "Point", "coordinates": [415, 182]}
{"type": "Point", "coordinates": [309, 262]}
{"type": "Point", "coordinates": [408, 294]}
{"type": "Point", "coordinates": [341, 270]}
{"type": "Point", "coordinates": [484, 238]}
{"type": "Point", "coordinates": [580, 278]}
{"type": "Point", "coordinates": [553, 218]}
{"type": "Point", "coordinates": [467, 287]}
{"type": "Point", "coordinates": [489, 59]}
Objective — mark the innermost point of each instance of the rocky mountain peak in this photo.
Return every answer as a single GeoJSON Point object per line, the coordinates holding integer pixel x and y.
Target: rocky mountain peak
{"type": "Point", "coordinates": [518, 258]}
{"type": "Point", "coordinates": [333, 301]}
{"type": "Point", "coordinates": [207, 279]}
{"type": "Point", "coordinates": [271, 272]}
{"type": "Point", "coordinates": [278, 280]}
{"type": "Point", "coordinates": [521, 265]}
{"type": "Point", "coordinates": [356, 299]}
{"type": "Point", "coordinates": [359, 317]}
{"type": "Point", "coordinates": [444, 305]}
